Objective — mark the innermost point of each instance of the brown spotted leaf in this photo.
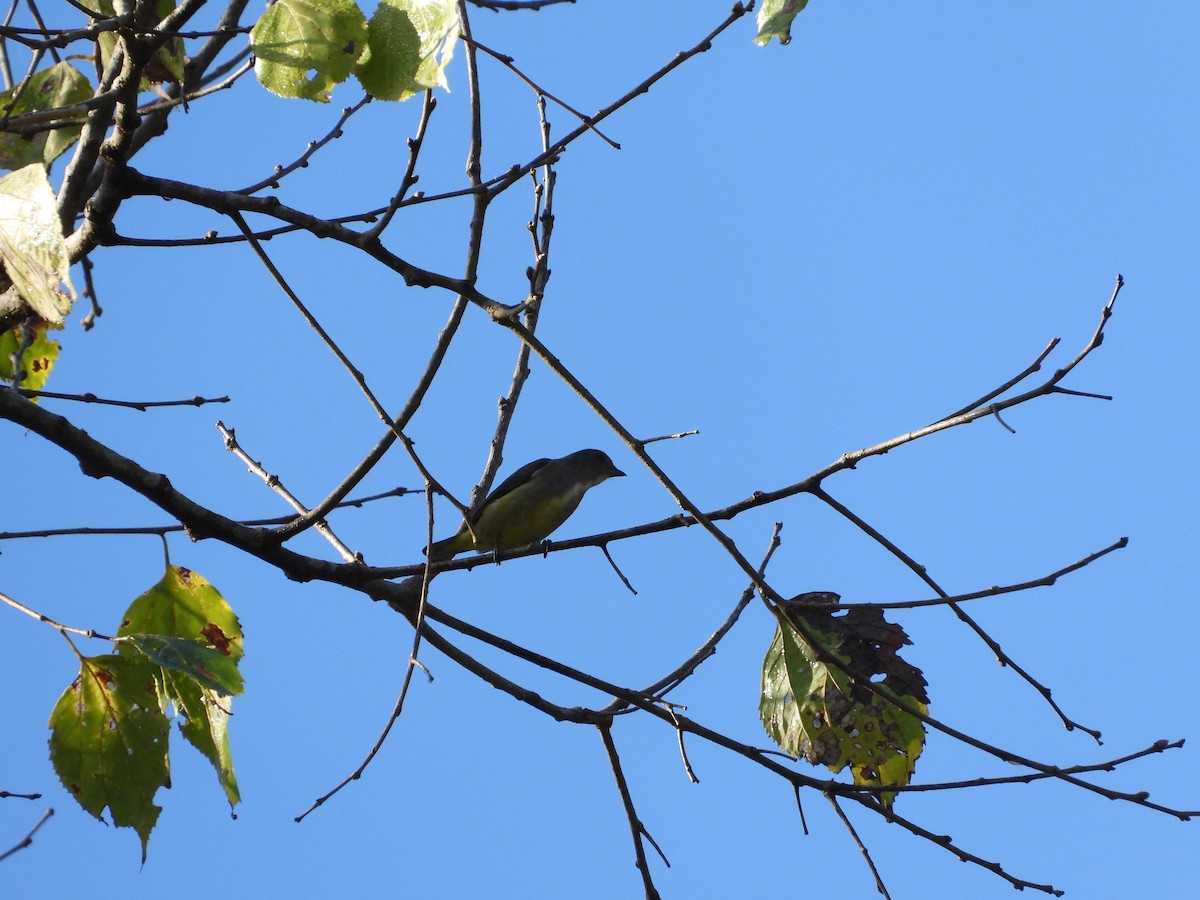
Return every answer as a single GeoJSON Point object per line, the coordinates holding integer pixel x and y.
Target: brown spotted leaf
{"type": "Point", "coordinates": [826, 713]}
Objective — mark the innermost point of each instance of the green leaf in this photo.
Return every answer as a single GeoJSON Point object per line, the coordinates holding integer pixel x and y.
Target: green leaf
{"type": "Point", "coordinates": [204, 665]}
{"type": "Point", "coordinates": [184, 605]}
{"type": "Point", "coordinates": [778, 709]}
{"type": "Point", "coordinates": [31, 243]}
{"type": "Point", "coordinates": [189, 630]}
{"type": "Point", "coordinates": [303, 48]}
{"type": "Point", "coordinates": [388, 70]}
{"type": "Point", "coordinates": [775, 20]}
{"type": "Point", "coordinates": [36, 359]}
{"type": "Point", "coordinates": [108, 742]}
{"type": "Point", "coordinates": [170, 58]}
{"type": "Point", "coordinates": [168, 61]}
{"type": "Point", "coordinates": [53, 88]}
{"type": "Point", "coordinates": [409, 45]}
{"type": "Point", "coordinates": [206, 726]}
{"type": "Point", "coordinates": [826, 713]}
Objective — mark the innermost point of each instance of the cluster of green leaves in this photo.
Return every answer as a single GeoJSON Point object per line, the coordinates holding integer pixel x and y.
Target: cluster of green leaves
{"type": "Point", "coordinates": [178, 646]}
{"type": "Point", "coordinates": [303, 48]}
{"type": "Point", "coordinates": [847, 698]}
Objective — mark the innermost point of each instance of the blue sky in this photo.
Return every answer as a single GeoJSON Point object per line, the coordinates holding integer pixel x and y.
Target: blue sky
{"type": "Point", "coordinates": [799, 252]}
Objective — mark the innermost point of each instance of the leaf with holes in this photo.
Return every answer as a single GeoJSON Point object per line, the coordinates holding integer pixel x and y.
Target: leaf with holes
{"type": "Point", "coordinates": [303, 48]}
{"type": "Point", "coordinates": [108, 742]}
{"type": "Point", "coordinates": [844, 715]}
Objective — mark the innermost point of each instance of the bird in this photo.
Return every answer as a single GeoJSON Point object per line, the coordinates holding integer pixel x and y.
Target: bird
{"type": "Point", "coordinates": [528, 505]}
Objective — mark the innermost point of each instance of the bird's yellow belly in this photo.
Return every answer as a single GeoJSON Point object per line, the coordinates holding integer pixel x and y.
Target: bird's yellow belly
{"type": "Point", "coordinates": [517, 519]}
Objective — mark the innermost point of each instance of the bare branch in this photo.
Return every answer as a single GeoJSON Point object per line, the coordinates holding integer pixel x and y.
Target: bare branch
{"type": "Point", "coordinates": [276, 485]}
{"type": "Point", "coordinates": [510, 64]}
{"type": "Point", "coordinates": [671, 681]}
{"type": "Point", "coordinates": [995, 591]}
{"type": "Point", "coordinates": [60, 628]}
{"type": "Point", "coordinates": [28, 839]}
{"type": "Point", "coordinates": [168, 529]}
{"type": "Point", "coordinates": [636, 828]}
{"type": "Point", "coordinates": [410, 177]}
{"type": "Point", "coordinates": [272, 181]}
{"type": "Point", "coordinates": [862, 848]}
{"type": "Point", "coordinates": [140, 405]}
{"type": "Point", "coordinates": [921, 572]}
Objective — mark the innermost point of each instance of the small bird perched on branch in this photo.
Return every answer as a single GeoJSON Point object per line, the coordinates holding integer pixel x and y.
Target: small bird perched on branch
{"type": "Point", "coordinates": [529, 504]}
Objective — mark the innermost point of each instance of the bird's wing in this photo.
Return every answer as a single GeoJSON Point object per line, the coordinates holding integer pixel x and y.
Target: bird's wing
{"type": "Point", "coordinates": [511, 483]}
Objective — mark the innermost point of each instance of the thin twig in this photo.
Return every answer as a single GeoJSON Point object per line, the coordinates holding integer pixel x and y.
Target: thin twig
{"type": "Point", "coordinates": [410, 177]}
{"type": "Point", "coordinates": [276, 485]}
{"type": "Point", "coordinates": [140, 405]}
{"type": "Point", "coordinates": [862, 848]}
{"type": "Point", "coordinates": [515, 173]}
{"type": "Point", "coordinates": [947, 843]}
{"type": "Point", "coordinates": [169, 529]}
{"type": "Point", "coordinates": [684, 671]}
{"type": "Point", "coordinates": [994, 591]}
{"type": "Point", "coordinates": [355, 373]}
{"type": "Point", "coordinates": [509, 63]}
{"type": "Point", "coordinates": [612, 562]}
{"type": "Point", "coordinates": [669, 437]}
{"type": "Point", "coordinates": [921, 572]}
{"type": "Point", "coordinates": [28, 839]}
{"type": "Point", "coordinates": [481, 200]}
{"type": "Point", "coordinates": [687, 763]}
{"type": "Point", "coordinates": [636, 829]}
{"type": "Point", "coordinates": [1035, 366]}
{"type": "Point", "coordinates": [5, 67]}
{"type": "Point", "coordinates": [800, 809]}
{"type": "Point", "coordinates": [1110, 765]}
{"type": "Point", "coordinates": [89, 291]}
{"type": "Point", "coordinates": [398, 707]}
{"type": "Point", "coordinates": [60, 628]}
{"type": "Point", "coordinates": [310, 319]}
{"type": "Point", "coordinates": [272, 181]}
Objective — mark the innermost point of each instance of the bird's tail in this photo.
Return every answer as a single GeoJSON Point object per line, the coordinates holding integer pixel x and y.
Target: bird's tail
{"type": "Point", "coordinates": [441, 551]}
